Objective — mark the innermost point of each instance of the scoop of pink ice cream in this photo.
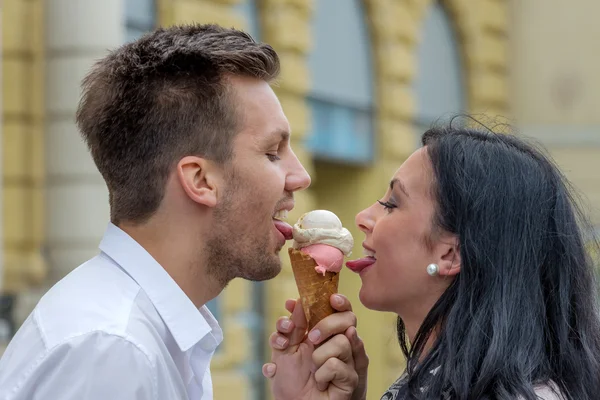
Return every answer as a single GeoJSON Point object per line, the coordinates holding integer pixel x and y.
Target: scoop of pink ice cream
{"type": "Point", "coordinates": [328, 258]}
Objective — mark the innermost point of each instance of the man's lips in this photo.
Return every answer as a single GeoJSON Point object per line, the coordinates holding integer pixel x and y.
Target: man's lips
{"type": "Point", "coordinates": [284, 228]}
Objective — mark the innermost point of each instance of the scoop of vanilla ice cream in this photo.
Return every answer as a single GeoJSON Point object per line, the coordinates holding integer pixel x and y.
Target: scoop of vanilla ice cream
{"type": "Point", "coordinates": [320, 219]}
{"type": "Point", "coordinates": [322, 227]}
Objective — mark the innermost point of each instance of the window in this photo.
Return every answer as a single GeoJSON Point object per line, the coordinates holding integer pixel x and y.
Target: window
{"type": "Point", "coordinates": [140, 17]}
{"type": "Point", "coordinates": [439, 86]}
{"type": "Point", "coordinates": [341, 99]}
{"type": "Point", "coordinates": [247, 9]}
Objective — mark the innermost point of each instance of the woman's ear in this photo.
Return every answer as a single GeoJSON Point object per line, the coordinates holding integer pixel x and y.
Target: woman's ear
{"type": "Point", "coordinates": [198, 178]}
{"type": "Point", "coordinates": [450, 260]}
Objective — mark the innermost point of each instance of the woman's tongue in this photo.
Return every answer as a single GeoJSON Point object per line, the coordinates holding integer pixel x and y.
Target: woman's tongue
{"type": "Point", "coordinates": [284, 228]}
{"type": "Point", "coordinates": [360, 264]}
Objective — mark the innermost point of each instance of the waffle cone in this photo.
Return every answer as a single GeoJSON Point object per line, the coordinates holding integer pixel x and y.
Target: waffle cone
{"type": "Point", "coordinates": [314, 288]}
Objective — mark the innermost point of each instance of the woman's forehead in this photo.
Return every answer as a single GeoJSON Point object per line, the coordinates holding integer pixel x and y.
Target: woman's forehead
{"type": "Point", "coordinates": [416, 172]}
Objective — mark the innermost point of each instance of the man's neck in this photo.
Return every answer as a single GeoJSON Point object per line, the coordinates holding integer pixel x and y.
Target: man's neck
{"type": "Point", "coordinates": [173, 249]}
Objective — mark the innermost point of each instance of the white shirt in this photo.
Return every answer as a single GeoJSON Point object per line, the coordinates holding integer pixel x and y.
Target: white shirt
{"type": "Point", "coordinates": [117, 327]}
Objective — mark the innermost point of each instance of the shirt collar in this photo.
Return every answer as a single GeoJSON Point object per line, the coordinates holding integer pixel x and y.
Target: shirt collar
{"type": "Point", "coordinates": [187, 324]}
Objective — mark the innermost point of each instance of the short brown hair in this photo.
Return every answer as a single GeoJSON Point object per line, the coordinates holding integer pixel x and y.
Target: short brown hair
{"type": "Point", "coordinates": [153, 101]}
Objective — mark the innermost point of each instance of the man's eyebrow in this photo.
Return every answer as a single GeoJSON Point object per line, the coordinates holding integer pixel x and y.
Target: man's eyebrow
{"type": "Point", "coordinates": [399, 184]}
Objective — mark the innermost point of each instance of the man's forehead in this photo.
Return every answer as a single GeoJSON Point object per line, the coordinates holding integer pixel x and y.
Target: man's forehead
{"type": "Point", "coordinates": [263, 136]}
{"type": "Point", "coordinates": [273, 134]}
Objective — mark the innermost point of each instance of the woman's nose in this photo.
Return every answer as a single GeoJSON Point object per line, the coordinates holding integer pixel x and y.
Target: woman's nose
{"type": "Point", "coordinates": [364, 220]}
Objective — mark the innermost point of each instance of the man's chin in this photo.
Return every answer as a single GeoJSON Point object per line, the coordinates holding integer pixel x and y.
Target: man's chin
{"type": "Point", "coordinates": [267, 274]}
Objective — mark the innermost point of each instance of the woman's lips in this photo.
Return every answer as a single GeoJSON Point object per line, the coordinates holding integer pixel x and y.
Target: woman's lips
{"type": "Point", "coordinates": [360, 264]}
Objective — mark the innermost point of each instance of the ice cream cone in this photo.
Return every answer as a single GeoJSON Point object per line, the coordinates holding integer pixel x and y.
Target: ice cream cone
{"type": "Point", "coordinates": [314, 288]}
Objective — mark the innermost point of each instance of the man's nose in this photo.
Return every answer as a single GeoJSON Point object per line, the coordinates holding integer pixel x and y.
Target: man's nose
{"type": "Point", "coordinates": [298, 178]}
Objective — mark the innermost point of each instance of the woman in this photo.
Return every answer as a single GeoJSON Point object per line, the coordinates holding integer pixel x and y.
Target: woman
{"type": "Point", "coordinates": [480, 249]}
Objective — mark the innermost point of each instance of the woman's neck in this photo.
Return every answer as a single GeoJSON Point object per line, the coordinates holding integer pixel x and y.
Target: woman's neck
{"type": "Point", "coordinates": [412, 324]}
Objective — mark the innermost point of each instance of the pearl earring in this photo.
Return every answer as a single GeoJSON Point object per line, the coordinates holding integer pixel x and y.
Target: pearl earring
{"type": "Point", "coordinates": [433, 269]}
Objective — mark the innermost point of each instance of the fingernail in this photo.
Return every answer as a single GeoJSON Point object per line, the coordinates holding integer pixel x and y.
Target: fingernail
{"type": "Point", "coordinates": [338, 300]}
{"type": "Point", "coordinates": [285, 324]}
{"type": "Point", "coordinates": [314, 336]}
{"type": "Point", "coordinates": [270, 370]}
{"type": "Point", "coordinates": [281, 341]}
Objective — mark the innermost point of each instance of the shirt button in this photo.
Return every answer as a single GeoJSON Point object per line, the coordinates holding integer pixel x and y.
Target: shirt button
{"type": "Point", "coordinates": [206, 346]}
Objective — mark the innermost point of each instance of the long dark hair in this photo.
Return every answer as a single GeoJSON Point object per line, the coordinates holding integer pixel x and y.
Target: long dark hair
{"type": "Point", "coordinates": [524, 308]}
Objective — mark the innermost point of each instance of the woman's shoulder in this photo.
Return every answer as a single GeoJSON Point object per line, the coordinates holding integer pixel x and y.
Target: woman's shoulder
{"type": "Point", "coordinates": [549, 391]}
{"type": "Point", "coordinates": [545, 391]}
{"type": "Point", "coordinates": [396, 390]}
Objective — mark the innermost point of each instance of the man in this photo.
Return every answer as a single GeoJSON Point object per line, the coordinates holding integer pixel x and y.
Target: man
{"type": "Point", "coordinates": [195, 150]}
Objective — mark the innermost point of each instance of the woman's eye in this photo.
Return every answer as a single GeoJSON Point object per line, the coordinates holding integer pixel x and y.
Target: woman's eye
{"type": "Point", "coordinates": [273, 157]}
{"type": "Point", "coordinates": [387, 205]}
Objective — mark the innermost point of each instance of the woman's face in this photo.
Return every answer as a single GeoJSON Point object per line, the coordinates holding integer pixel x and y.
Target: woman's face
{"type": "Point", "coordinates": [399, 244]}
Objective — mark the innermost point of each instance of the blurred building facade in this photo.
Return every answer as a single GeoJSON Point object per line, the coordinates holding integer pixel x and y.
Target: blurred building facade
{"type": "Point", "coordinates": [360, 80]}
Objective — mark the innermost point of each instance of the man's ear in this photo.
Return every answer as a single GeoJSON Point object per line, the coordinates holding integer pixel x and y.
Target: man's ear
{"type": "Point", "coordinates": [199, 178]}
{"type": "Point", "coordinates": [450, 261]}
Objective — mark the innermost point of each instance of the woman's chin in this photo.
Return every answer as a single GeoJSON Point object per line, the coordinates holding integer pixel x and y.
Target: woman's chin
{"type": "Point", "coordinates": [370, 300]}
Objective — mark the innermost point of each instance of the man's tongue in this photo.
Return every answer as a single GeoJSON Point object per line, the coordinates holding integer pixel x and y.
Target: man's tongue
{"type": "Point", "coordinates": [360, 264]}
{"type": "Point", "coordinates": [284, 228]}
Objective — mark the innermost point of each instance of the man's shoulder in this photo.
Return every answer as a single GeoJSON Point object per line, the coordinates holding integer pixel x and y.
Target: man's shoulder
{"type": "Point", "coordinates": [30, 367]}
{"type": "Point", "coordinates": [96, 296]}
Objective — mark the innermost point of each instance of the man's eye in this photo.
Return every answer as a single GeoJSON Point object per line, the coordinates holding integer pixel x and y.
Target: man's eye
{"type": "Point", "coordinates": [273, 157]}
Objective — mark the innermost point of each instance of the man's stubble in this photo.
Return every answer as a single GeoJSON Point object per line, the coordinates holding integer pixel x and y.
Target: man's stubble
{"type": "Point", "coordinates": [235, 248]}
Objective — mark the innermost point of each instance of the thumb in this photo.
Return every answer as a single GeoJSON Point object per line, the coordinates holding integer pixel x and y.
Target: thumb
{"type": "Point", "coordinates": [269, 370]}
{"type": "Point", "coordinates": [300, 325]}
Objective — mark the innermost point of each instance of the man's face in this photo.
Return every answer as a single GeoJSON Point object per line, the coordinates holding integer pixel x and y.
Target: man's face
{"type": "Point", "coordinates": [261, 179]}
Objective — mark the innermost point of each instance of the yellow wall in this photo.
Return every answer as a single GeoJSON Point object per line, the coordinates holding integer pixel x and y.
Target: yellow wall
{"type": "Point", "coordinates": [553, 46]}
{"type": "Point", "coordinates": [555, 86]}
{"type": "Point", "coordinates": [22, 131]}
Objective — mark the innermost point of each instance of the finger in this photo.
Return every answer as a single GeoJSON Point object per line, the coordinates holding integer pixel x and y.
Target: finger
{"type": "Point", "coordinates": [269, 370]}
{"type": "Point", "coordinates": [284, 325]}
{"type": "Point", "coordinates": [340, 302]}
{"type": "Point", "coordinates": [297, 334]}
{"type": "Point", "coordinates": [290, 304]}
{"type": "Point", "coordinates": [332, 325]}
{"type": "Point", "coordinates": [336, 372]}
{"type": "Point", "coordinates": [337, 347]}
{"type": "Point", "coordinates": [278, 342]}
{"type": "Point", "coordinates": [359, 354]}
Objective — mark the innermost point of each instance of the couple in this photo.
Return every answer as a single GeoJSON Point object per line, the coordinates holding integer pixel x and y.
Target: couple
{"type": "Point", "coordinates": [475, 245]}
